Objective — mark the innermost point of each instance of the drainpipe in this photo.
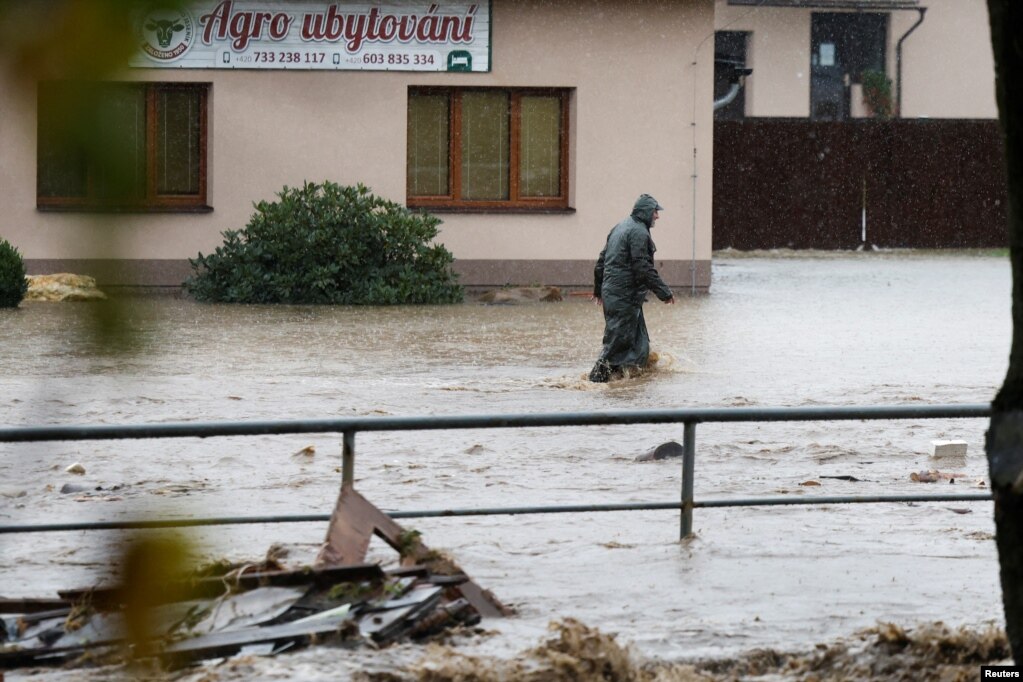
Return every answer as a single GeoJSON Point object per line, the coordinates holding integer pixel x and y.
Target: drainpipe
{"type": "Point", "coordinates": [898, 61]}
{"type": "Point", "coordinates": [733, 92]}
{"type": "Point", "coordinates": [692, 126]}
{"type": "Point", "coordinates": [728, 97]}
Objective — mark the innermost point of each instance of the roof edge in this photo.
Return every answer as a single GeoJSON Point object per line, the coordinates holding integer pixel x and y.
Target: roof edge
{"type": "Point", "coordinates": [832, 4]}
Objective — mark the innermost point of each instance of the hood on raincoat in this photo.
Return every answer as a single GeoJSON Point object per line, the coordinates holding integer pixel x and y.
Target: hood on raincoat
{"type": "Point", "coordinates": [643, 209]}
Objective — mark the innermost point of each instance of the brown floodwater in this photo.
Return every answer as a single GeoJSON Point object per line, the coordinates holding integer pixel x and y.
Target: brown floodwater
{"type": "Point", "coordinates": [819, 329]}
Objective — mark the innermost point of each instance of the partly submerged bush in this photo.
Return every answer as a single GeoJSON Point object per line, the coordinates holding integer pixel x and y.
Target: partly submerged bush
{"type": "Point", "coordinates": [13, 284]}
{"type": "Point", "coordinates": [328, 244]}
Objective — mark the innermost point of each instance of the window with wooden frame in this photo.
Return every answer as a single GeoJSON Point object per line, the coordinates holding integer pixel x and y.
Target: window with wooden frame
{"type": "Point", "coordinates": [122, 146]}
{"type": "Point", "coordinates": [487, 149]}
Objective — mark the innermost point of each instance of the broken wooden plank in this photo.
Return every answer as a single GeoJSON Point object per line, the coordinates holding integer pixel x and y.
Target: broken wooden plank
{"type": "Point", "coordinates": [483, 601]}
{"type": "Point", "coordinates": [392, 619]}
{"type": "Point", "coordinates": [353, 523]}
{"type": "Point", "coordinates": [32, 605]}
{"type": "Point", "coordinates": [445, 615]}
{"type": "Point", "coordinates": [110, 596]}
{"type": "Point", "coordinates": [317, 576]}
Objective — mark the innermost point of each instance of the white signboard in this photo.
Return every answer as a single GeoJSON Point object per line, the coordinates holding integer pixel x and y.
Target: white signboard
{"type": "Point", "coordinates": [391, 35]}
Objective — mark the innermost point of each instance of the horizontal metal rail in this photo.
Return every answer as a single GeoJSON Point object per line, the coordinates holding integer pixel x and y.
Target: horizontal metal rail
{"type": "Point", "coordinates": [496, 511]}
{"type": "Point", "coordinates": [689, 417]}
{"type": "Point", "coordinates": [21, 434]}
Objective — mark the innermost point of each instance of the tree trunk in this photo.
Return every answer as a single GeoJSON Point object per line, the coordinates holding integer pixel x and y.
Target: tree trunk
{"type": "Point", "coordinates": [1005, 436]}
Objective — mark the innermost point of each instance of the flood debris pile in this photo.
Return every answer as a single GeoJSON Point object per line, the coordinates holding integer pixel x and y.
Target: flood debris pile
{"type": "Point", "coordinates": [935, 476]}
{"type": "Point", "coordinates": [158, 615]}
{"type": "Point", "coordinates": [255, 609]}
{"type": "Point", "coordinates": [886, 652]}
{"type": "Point", "coordinates": [243, 611]}
{"type": "Point", "coordinates": [575, 651]}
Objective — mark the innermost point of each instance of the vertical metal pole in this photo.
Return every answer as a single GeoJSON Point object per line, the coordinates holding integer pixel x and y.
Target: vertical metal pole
{"type": "Point", "coordinates": [348, 459]}
{"type": "Point", "coordinates": [688, 467]}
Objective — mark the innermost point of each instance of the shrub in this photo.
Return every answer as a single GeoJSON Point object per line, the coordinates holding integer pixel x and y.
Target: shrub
{"type": "Point", "coordinates": [13, 284]}
{"type": "Point", "coordinates": [328, 244]}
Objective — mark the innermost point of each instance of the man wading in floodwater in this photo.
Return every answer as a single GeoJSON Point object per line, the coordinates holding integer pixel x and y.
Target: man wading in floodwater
{"type": "Point", "coordinates": [624, 272]}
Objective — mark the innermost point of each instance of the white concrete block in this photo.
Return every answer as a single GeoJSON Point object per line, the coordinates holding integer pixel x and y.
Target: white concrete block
{"type": "Point", "coordinates": [949, 448]}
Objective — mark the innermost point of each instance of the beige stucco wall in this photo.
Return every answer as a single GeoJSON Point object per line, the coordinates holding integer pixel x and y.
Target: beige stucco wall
{"type": "Point", "coordinates": [947, 67]}
{"type": "Point", "coordinates": [778, 50]}
{"type": "Point", "coordinates": [947, 64]}
{"type": "Point", "coordinates": [633, 110]}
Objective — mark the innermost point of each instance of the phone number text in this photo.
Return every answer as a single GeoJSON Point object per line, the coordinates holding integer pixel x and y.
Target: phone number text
{"type": "Point", "coordinates": [282, 57]}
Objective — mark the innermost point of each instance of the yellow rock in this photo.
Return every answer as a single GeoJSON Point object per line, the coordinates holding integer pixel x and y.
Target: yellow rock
{"type": "Point", "coordinates": [521, 295]}
{"type": "Point", "coordinates": [63, 287]}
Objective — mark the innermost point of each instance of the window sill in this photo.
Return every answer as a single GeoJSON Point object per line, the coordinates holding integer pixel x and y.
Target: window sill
{"type": "Point", "coordinates": [518, 210]}
{"type": "Point", "coordinates": [124, 209]}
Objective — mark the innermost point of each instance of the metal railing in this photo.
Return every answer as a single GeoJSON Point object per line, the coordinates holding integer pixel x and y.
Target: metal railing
{"type": "Point", "coordinates": [349, 427]}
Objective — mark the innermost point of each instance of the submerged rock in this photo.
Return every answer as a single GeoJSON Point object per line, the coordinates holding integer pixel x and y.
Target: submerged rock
{"type": "Point", "coordinates": [662, 451]}
{"type": "Point", "coordinates": [63, 287]}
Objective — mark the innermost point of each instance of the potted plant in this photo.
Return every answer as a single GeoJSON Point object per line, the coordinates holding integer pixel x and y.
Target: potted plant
{"type": "Point", "coordinates": [877, 93]}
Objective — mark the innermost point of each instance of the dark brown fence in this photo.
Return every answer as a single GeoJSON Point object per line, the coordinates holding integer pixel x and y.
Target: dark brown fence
{"type": "Point", "coordinates": [803, 184]}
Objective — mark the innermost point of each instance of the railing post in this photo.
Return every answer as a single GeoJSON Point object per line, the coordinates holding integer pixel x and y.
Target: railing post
{"type": "Point", "coordinates": [688, 467]}
{"type": "Point", "coordinates": [348, 459]}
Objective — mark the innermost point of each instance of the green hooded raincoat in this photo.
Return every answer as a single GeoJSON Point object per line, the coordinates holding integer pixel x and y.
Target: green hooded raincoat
{"type": "Point", "coordinates": [623, 275]}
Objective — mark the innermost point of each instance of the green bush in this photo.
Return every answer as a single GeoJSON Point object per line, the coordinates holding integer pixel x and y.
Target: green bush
{"type": "Point", "coordinates": [328, 244]}
{"type": "Point", "coordinates": [13, 284]}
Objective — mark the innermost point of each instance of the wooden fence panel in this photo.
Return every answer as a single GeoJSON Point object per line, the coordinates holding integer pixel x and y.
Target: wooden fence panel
{"type": "Point", "coordinates": [784, 183]}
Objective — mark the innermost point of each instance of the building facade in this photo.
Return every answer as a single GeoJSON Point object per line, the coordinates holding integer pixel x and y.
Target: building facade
{"type": "Point", "coordinates": [865, 123]}
{"type": "Point", "coordinates": [809, 57]}
{"type": "Point", "coordinates": [528, 127]}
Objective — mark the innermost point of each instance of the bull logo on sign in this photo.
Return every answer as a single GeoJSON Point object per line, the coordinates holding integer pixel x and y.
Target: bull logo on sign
{"type": "Point", "coordinates": [164, 30]}
{"type": "Point", "coordinates": [166, 34]}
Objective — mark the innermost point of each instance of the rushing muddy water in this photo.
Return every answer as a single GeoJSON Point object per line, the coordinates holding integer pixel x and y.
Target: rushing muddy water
{"type": "Point", "coordinates": [855, 329]}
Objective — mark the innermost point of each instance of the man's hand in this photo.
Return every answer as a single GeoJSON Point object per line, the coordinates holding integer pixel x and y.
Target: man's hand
{"type": "Point", "coordinates": [597, 299]}
{"type": "Point", "coordinates": [670, 301]}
